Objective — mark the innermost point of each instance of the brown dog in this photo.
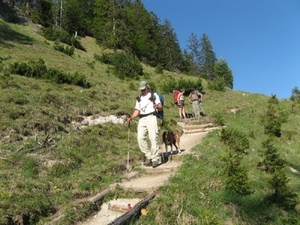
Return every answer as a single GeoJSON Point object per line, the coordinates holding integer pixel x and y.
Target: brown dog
{"type": "Point", "coordinates": [177, 139]}
{"type": "Point", "coordinates": [171, 138]}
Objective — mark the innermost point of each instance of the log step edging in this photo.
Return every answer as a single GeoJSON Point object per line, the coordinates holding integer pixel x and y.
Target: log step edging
{"type": "Point", "coordinates": [134, 211]}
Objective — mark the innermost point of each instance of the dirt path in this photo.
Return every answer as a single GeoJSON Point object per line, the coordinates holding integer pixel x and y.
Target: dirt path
{"type": "Point", "coordinates": [150, 181]}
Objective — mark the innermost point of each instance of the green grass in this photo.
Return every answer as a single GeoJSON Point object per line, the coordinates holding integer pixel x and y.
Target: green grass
{"type": "Point", "coordinates": [37, 184]}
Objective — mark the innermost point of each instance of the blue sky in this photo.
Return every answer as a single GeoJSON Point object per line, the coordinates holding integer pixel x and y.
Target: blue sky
{"type": "Point", "coordinates": [259, 39]}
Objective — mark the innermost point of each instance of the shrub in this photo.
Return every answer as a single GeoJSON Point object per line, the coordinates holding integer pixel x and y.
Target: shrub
{"type": "Point", "coordinates": [126, 65]}
{"type": "Point", "coordinates": [22, 69]}
{"type": "Point", "coordinates": [218, 119]}
{"type": "Point", "coordinates": [159, 69]}
{"type": "Point", "coordinates": [91, 64]}
{"type": "Point", "coordinates": [68, 50]}
{"type": "Point", "coordinates": [171, 84]}
{"type": "Point", "coordinates": [79, 80]}
{"type": "Point", "coordinates": [37, 69]}
{"type": "Point", "coordinates": [217, 84]}
{"type": "Point", "coordinates": [60, 35]}
{"type": "Point", "coordinates": [106, 58]}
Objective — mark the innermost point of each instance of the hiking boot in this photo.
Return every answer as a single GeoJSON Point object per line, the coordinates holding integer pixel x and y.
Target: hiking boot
{"type": "Point", "coordinates": [154, 164]}
{"type": "Point", "coordinates": [148, 162]}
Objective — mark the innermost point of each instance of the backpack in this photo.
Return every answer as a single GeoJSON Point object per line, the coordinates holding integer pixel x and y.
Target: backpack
{"type": "Point", "coordinates": [160, 113]}
{"type": "Point", "coordinates": [175, 96]}
{"type": "Point", "coordinates": [199, 97]}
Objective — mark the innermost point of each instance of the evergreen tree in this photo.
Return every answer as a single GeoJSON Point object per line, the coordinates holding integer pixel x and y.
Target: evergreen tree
{"type": "Point", "coordinates": [43, 13]}
{"type": "Point", "coordinates": [221, 69]}
{"type": "Point", "coordinates": [78, 16]}
{"type": "Point", "coordinates": [207, 58]}
{"type": "Point", "coordinates": [194, 47]}
{"type": "Point", "coordinates": [187, 63]}
{"type": "Point", "coordinates": [170, 52]}
{"type": "Point", "coordinates": [156, 40]}
{"type": "Point", "coordinates": [235, 172]}
{"type": "Point", "coordinates": [109, 25]}
{"type": "Point", "coordinates": [274, 165]}
{"type": "Point", "coordinates": [274, 118]}
{"type": "Point", "coordinates": [295, 98]}
{"type": "Point", "coordinates": [140, 28]}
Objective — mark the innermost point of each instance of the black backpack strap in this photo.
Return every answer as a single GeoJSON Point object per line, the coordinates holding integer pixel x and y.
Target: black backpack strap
{"type": "Point", "coordinates": [152, 98]}
{"type": "Point", "coordinates": [138, 98]}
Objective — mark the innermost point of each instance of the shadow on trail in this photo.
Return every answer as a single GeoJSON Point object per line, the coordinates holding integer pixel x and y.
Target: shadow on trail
{"type": "Point", "coordinates": [167, 156]}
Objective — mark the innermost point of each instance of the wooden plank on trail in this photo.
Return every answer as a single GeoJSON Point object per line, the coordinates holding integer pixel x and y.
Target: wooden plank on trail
{"type": "Point", "coordinates": [134, 211]}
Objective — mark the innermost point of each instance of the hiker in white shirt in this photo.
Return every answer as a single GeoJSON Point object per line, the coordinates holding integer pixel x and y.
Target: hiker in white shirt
{"type": "Point", "coordinates": [145, 108]}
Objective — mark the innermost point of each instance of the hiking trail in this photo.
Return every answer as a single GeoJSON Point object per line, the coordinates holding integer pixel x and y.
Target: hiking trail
{"type": "Point", "coordinates": [152, 179]}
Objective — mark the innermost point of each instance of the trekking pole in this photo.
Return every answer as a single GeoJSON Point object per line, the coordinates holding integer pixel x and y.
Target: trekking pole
{"type": "Point", "coordinates": [128, 157]}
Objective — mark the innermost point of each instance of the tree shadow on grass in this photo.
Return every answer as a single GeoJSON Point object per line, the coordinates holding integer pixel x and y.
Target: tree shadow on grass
{"type": "Point", "coordinates": [251, 207]}
{"type": "Point", "coordinates": [8, 35]}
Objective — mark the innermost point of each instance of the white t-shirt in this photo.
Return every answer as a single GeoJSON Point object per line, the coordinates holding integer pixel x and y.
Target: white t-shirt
{"type": "Point", "coordinates": [145, 105]}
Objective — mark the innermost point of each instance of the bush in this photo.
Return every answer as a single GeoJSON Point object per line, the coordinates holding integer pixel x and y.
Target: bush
{"type": "Point", "coordinates": [39, 70]}
{"type": "Point", "coordinates": [159, 69]}
{"type": "Point", "coordinates": [106, 58]}
{"type": "Point", "coordinates": [22, 69]}
{"type": "Point", "coordinates": [217, 84]}
{"type": "Point", "coordinates": [79, 80]}
{"type": "Point", "coordinates": [171, 84]}
{"type": "Point", "coordinates": [126, 65]}
{"type": "Point", "coordinates": [60, 35]}
{"type": "Point", "coordinates": [35, 69]}
{"type": "Point", "coordinates": [68, 50]}
{"type": "Point", "coordinates": [218, 119]}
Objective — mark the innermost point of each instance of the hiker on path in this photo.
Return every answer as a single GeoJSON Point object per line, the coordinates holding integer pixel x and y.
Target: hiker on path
{"type": "Point", "coordinates": [195, 98]}
{"type": "Point", "coordinates": [181, 104]}
{"type": "Point", "coordinates": [145, 108]}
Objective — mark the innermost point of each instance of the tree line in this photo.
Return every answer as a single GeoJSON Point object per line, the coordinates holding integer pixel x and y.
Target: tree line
{"type": "Point", "coordinates": [127, 25]}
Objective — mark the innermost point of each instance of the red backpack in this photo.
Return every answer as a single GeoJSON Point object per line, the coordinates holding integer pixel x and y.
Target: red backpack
{"type": "Point", "coordinates": [175, 96]}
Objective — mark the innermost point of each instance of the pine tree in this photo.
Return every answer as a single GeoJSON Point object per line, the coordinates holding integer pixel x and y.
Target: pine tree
{"type": "Point", "coordinates": [170, 52]}
{"type": "Point", "coordinates": [194, 47]}
{"type": "Point", "coordinates": [78, 15]}
{"type": "Point", "coordinates": [295, 98]}
{"type": "Point", "coordinates": [43, 13]}
{"type": "Point", "coordinates": [109, 24]}
{"type": "Point", "coordinates": [141, 29]}
{"type": "Point", "coordinates": [187, 64]}
{"type": "Point", "coordinates": [207, 58]}
{"type": "Point", "coordinates": [273, 118]}
{"type": "Point", "coordinates": [235, 173]}
{"type": "Point", "coordinates": [274, 165]}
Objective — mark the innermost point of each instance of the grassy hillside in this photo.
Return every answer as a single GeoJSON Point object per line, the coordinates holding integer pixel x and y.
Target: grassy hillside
{"type": "Point", "coordinates": [49, 167]}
